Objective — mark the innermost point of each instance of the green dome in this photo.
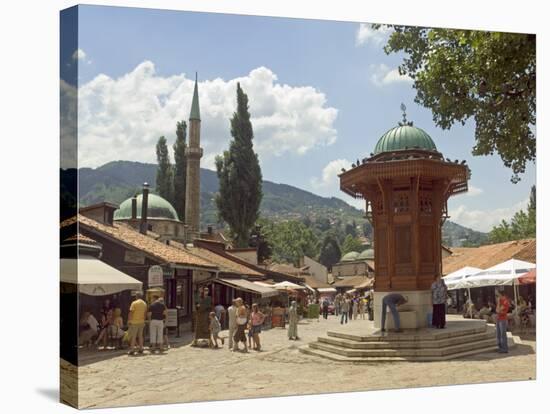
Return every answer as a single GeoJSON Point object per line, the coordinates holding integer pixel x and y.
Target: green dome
{"type": "Point", "coordinates": [367, 254]}
{"type": "Point", "coordinates": [349, 257]}
{"type": "Point", "coordinates": [404, 137]}
{"type": "Point", "coordinates": [157, 208]}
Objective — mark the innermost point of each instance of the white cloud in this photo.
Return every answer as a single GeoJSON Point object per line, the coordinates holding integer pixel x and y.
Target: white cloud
{"type": "Point", "coordinates": [122, 118]}
{"type": "Point", "coordinates": [473, 191]}
{"type": "Point", "coordinates": [381, 75]}
{"type": "Point", "coordinates": [79, 54]}
{"type": "Point", "coordinates": [366, 34]}
{"type": "Point", "coordinates": [485, 220]}
{"type": "Point", "coordinates": [68, 124]}
{"type": "Point", "coordinates": [328, 184]}
{"type": "Point", "coordinates": [329, 175]}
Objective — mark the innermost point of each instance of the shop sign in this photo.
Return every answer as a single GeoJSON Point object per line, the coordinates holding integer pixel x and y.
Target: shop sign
{"type": "Point", "coordinates": [155, 276]}
{"type": "Point", "coordinates": [171, 318]}
{"type": "Point", "coordinates": [131, 256]}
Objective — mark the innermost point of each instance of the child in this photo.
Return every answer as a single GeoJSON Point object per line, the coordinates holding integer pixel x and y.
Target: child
{"type": "Point", "coordinates": [215, 329]}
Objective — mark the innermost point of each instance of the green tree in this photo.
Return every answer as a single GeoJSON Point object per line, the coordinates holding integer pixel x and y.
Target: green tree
{"type": "Point", "coordinates": [164, 186]}
{"type": "Point", "coordinates": [330, 253]}
{"type": "Point", "coordinates": [351, 229]}
{"type": "Point", "coordinates": [240, 176]}
{"type": "Point", "coordinates": [351, 244]}
{"type": "Point", "coordinates": [180, 169]}
{"type": "Point", "coordinates": [259, 239]}
{"type": "Point", "coordinates": [290, 241]}
{"type": "Point", "coordinates": [522, 226]}
{"type": "Point", "coordinates": [487, 76]}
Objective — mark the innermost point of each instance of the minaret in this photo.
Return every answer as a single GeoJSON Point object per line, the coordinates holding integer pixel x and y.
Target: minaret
{"type": "Point", "coordinates": [193, 152]}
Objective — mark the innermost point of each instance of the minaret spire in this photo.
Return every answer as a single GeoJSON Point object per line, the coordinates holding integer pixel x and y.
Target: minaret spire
{"type": "Point", "coordinates": [193, 153]}
{"type": "Point", "coordinates": [195, 109]}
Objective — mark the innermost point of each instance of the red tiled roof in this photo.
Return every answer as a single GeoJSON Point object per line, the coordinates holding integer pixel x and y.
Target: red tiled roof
{"type": "Point", "coordinates": [82, 239]}
{"type": "Point", "coordinates": [489, 255]}
{"type": "Point", "coordinates": [146, 244]}
{"type": "Point", "coordinates": [353, 281]}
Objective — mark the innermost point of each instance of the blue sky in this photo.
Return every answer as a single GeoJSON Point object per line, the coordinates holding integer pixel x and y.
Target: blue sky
{"type": "Point", "coordinates": [321, 94]}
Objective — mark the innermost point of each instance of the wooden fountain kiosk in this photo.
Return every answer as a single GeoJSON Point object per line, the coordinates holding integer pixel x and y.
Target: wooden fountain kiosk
{"type": "Point", "coordinates": [406, 183]}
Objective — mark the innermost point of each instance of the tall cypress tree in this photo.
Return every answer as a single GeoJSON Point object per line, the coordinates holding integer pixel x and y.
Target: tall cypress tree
{"type": "Point", "coordinates": [164, 185]}
{"type": "Point", "coordinates": [240, 176]}
{"type": "Point", "coordinates": [180, 169]}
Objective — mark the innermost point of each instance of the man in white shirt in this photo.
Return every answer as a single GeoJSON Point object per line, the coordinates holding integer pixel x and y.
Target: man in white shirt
{"type": "Point", "coordinates": [232, 322]}
{"type": "Point", "coordinates": [89, 328]}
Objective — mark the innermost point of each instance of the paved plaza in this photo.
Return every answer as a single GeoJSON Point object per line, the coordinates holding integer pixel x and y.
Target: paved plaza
{"type": "Point", "coordinates": [186, 374]}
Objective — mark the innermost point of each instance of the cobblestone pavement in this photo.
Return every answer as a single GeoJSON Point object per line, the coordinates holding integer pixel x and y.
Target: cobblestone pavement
{"type": "Point", "coordinates": [186, 374]}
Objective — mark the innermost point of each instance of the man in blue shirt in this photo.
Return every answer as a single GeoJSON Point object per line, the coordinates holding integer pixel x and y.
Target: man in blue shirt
{"type": "Point", "coordinates": [392, 300]}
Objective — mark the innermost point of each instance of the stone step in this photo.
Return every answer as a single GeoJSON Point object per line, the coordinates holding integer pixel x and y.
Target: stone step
{"type": "Point", "coordinates": [424, 344]}
{"type": "Point", "coordinates": [365, 360]}
{"type": "Point", "coordinates": [412, 335]}
{"type": "Point", "coordinates": [390, 352]}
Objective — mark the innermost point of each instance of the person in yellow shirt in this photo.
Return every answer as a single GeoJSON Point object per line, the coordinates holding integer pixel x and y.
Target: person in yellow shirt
{"type": "Point", "coordinates": [136, 323]}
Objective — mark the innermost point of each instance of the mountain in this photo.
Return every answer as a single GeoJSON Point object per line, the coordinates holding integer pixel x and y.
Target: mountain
{"type": "Point", "coordinates": [118, 180]}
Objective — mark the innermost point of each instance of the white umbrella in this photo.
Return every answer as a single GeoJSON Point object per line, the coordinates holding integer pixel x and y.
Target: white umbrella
{"type": "Point", "coordinates": [286, 285]}
{"type": "Point", "coordinates": [455, 279]}
{"type": "Point", "coordinates": [505, 273]}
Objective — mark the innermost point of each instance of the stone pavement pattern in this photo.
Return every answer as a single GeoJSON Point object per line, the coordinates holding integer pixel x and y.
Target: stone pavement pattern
{"type": "Point", "coordinates": [187, 374]}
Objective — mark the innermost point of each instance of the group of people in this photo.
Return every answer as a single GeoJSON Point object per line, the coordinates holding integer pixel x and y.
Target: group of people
{"type": "Point", "coordinates": [244, 324]}
{"type": "Point", "coordinates": [349, 307]}
{"type": "Point", "coordinates": [111, 325]}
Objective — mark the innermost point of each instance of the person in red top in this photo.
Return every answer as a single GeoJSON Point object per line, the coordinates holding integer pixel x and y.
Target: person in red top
{"type": "Point", "coordinates": [503, 305]}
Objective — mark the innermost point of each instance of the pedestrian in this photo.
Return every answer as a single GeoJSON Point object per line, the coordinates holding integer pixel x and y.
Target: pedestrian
{"type": "Point", "coordinates": [503, 305]}
{"type": "Point", "coordinates": [136, 323]}
{"type": "Point", "coordinates": [256, 321]}
{"type": "Point", "coordinates": [249, 326]}
{"type": "Point", "coordinates": [165, 342]}
{"type": "Point", "coordinates": [325, 308]}
{"type": "Point", "coordinates": [106, 320]}
{"type": "Point", "coordinates": [355, 308]}
{"type": "Point", "coordinates": [337, 304]}
{"type": "Point", "coordinates": [392, 301]}
{"type": "Point", "coordinates": [439, 297]}
{"type": "Point", "coordinates": [231, 322]}
{"type": "Point", "coordinates": [87, 328]}
{"type": "Point", "coordinates": [215, 328]}
{"type": "Point", "coordinates": [156, 317]}
{"type": "Point", "coordinates": [293, 321]}
{"type": "Point", "coordinates": [361, 307]}
{"type": "Point", "coordinates": [220, 313]}
{"type": "Point", "coordinates": [344, 308]}
{"type": "Point", "coordinates": [241, 321]}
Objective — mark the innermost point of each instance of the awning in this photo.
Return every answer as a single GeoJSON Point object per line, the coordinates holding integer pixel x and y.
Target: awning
{"type": "Point", "coordinates": [309, 287]}
{"type": "Point", "coordinates": [285, 285]}
{"type": "Point", "coordinates": [455, 280]}
{"type": "Point", "coordinates": [95, 277]}
{"type": "Point", "coordinates": [504, 273]}
{"type": "Point", "coordinates": [528, 278]}
{"type": "Point", "coordinates": [247, 286]}
{"type": "Point", "coordinates": [326, 290]}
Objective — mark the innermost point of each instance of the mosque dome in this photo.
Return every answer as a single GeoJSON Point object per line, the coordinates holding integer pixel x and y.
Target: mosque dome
{"type": "Point", "coordinates": [404, 137]}
{"type": "Point", "coordinates": [157, 208]}
{"type": "Point", "coordinates": [367, 254]}
{"type": "Point", "coordinates": [349, 257]}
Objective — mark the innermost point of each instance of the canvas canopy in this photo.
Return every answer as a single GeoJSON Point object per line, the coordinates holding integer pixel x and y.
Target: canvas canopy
{"type": "Point", "coordinates": [95, 277]}
{"type": "Point", "coordinates": [455, 280]}
{"type": "Point", "coordinates": [247, 286]}
{"type": "Point", "coordinates": [287, 285]}
{"type": "Point", "coordinates": [505, 273]}
{"type": "Point", "coordinates": [326, 290]}
{"type": "Point", "coordinates": [528, 278]}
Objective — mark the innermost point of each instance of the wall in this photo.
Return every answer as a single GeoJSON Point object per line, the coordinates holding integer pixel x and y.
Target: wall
{"type": "Point", "coordinates": [343, 269]}
{"type": "Point", "coordinates": [316, 269]}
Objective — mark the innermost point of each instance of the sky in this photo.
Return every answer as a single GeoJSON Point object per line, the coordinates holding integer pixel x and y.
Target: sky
{"type": "Point", "coordinates": [321, 93]}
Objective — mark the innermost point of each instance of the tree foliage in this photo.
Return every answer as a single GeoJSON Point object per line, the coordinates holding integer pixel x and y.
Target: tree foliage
{"type": "Point", "coordinates": [522, 226]}
{"type": "Point", "coordinates": [240, 176]}
{"type": "Point", "coordinates": [487, 76]}
{"type": "Point", "coordinates": [259, 240]}
{"type": "Point", "coordinates": [290, 241]}
{"type": "Point", "coordinates": [351, 244]}
{"type": "Point", "coordinates": [180, 168]}
{"type": "Point", "coordinates": [330, 253]}
{"type": "Point", "coordinates": [164, 181]}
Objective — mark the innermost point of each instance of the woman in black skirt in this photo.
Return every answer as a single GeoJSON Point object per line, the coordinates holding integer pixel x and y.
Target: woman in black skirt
{"type": "Point", "coordinates": [439, 297]}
